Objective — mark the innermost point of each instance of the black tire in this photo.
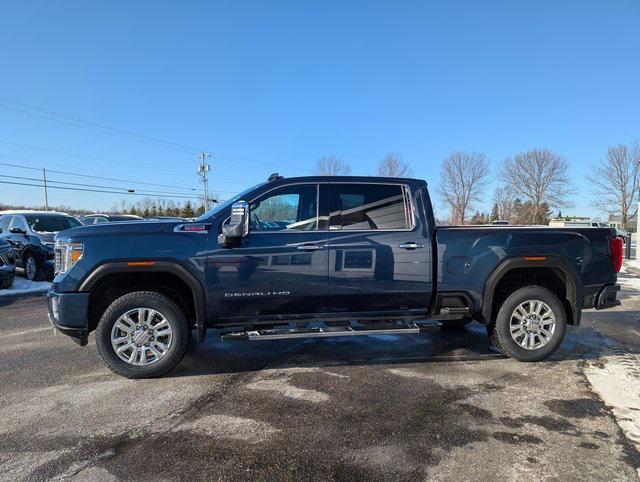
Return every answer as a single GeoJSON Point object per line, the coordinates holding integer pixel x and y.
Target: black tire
{"type": "Point", "coordinates": [181, 334]}
{"type": "Point", "coordinates": [455, 324]}
{"type": "Point", "coordinates": [6, 283]}
{"type": "Point", "coordinates": [38, 274]}
{"type": "Point", "coordinates": [500, 335]}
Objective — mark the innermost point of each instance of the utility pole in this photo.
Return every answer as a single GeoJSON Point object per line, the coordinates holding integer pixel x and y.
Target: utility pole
{"type": "Point", "coordinates": [46, 196]}
{"type": "Point", "coordinates": [203, 169]}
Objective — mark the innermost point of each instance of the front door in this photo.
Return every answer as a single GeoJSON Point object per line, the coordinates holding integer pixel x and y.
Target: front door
{"type": "Point", "coordinates": [280, 268]}
{"type": "Point", "coordinates": [379, 253]}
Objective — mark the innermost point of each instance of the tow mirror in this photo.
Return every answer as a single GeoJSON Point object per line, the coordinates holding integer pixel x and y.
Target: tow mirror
{"type": "Point", "coordinates": [238, 226]}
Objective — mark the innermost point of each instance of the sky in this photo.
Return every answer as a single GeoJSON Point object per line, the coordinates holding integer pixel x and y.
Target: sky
{"type": "Point", "coordinates": [272, 86]}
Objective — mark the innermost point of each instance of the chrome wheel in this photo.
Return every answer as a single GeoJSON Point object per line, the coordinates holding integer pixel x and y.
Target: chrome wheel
{"type": "Point", "coordinates": [141, 336]}
{"type": "Point", "coordinates": [31, 268]}
{"type": "Point", "coordinates": [532, 324]}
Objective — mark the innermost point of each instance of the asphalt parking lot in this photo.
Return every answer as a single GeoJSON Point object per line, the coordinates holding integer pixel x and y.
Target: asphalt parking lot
{"type": "Point", "coordinates": [441, 406]}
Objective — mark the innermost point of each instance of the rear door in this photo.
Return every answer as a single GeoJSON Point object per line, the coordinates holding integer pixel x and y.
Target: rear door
{"type": "Point", "coordinates": [379, 253]}
{"type": "Point", "coordinates": [280, 269]}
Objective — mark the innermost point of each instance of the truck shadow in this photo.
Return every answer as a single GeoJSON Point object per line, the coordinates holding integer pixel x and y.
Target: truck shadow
{"type": "Point", "coordinates": [469, 344]}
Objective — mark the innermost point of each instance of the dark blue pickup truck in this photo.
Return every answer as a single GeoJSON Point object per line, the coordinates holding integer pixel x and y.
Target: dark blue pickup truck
{"type": "Point", "coordinates": [323, 256]}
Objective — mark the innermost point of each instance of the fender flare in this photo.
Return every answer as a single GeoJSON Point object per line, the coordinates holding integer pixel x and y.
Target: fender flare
{"type": "Point", "coordinates": [170, 267]}
{"type": "Point", "coordinates": [575, 288]}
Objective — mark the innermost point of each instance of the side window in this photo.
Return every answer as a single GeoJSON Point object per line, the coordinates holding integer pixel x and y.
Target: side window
{"type": "Point", "coordinates": [287, 208]}
{"type": "Point", "coordinates": [18, 222]}
{"type": "Point", "coordinates": [368, 207]}
{"type": "Point", "coordinates": [98, 220]}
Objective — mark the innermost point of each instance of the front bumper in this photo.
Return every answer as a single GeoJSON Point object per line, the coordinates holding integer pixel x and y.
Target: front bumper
{"type": "Point", "coordinates": [68, 313]}
{"type": "Point", "coordinates": [607, 297]}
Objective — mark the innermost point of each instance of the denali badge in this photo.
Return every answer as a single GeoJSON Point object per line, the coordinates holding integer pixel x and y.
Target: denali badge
{"type": "Point", "coordinates": [257, 293]}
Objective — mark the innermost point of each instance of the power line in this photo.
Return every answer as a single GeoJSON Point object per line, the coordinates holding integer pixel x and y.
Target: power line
{"type": "Point", "coordinates": [74, 121]}
{"type": "Point", "coordinates": [129, 181]}
{"type": "Point", "coordinates": [84, 156]}
{"type": "Point", "coordinates": [90, 190]}
{"type": "Point", "coordinates": [90, 125]}
{"type": "Point", "coordinates": [123, 189]}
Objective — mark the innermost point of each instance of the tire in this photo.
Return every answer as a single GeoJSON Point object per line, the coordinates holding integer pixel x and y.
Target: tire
{"type": "Point", "coordinates": [125, 310]}
{"type": "Point", "coordinates": [6, 283]}
{"type": "Point", "coordinates": [530, 334]}
{"type": "Point", "coordinates": [36, 273]}
{"type": "Point", "coordinates": [455, 324]}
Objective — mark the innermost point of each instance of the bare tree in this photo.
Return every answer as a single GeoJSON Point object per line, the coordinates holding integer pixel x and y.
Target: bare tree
{"type": "Point", "coordinates": [463, 176]}
{"type": "Point", "coordinates": [539, 176]}
{"type": "Point", "coordinates": [504, 201]}
{"type": "Point", "coordinates": [616, 182]}
{"type": "Point", "coordinates": [332, 166]}
{"type": "Point", "coordinates": [392, 166]}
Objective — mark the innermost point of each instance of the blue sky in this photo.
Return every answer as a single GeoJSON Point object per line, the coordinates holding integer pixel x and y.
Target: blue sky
{"type": "Point", "coordinates": [288, 82]}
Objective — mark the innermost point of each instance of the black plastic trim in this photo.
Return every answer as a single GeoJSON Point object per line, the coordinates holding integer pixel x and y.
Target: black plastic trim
{"type": "Point", "coordinates": [575, 288]}
{"type": "Point", "coordinates": [158, 267]}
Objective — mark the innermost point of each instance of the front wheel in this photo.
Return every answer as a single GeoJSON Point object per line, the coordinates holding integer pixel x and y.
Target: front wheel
{"type": "Point", "coordinates": [530, 324]}
{"type": "Point", "coordinates": [142, 335]}
{"type": "Point", "coordinates": [32, 269]}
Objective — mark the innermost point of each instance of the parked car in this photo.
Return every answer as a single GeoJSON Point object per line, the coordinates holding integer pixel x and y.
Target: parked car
{"type": "Point", "coordinates": [30, 234]}
{"type": "Point", "coordinates": [500, 222]}
{"type": "Point", "coordinates": [360, 254]}
{"type": "Point", "coordinates": [7, 265]}
{"type": "Point", "coordinates": [108, 218]}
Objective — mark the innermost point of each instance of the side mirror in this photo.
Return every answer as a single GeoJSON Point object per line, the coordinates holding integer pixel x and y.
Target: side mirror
{"type": "Point", "coordinates": [238, 226]}
{"type": "Point", "coordinates": [17, 231]}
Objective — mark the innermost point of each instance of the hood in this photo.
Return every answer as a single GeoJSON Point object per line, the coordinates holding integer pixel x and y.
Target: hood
{"type": "Point", "coordinates": [116, 229]}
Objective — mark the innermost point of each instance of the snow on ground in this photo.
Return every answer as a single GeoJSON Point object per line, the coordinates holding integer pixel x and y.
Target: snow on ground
{"type": "Point", "coordinates": [22, 286]}
{"type": "Point", "coordinates": [616, 375]}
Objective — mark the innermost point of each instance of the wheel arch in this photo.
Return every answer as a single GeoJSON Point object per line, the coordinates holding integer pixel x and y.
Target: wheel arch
{"type": "Point", "coordinates": [149, 274]}
{"type": "Point", "coordinates": [573, 292]}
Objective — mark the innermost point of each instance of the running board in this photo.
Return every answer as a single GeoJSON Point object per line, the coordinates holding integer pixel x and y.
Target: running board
{"type": "Point", "coordinates": [324, 332]}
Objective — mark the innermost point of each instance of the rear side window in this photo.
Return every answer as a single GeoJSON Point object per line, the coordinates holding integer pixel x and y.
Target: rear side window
{"type": "Point", "coordinates": [363, 207]}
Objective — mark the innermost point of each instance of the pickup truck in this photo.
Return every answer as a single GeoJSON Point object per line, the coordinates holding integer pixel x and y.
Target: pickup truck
{"type": "Point", "coordinates": [319, 257]}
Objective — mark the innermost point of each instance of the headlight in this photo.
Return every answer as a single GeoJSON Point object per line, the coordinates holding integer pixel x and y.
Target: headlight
{"type": "Point", "coordinates": [66, 255]}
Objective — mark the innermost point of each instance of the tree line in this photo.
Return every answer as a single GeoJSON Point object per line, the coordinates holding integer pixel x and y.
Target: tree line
{"type": "Point", "coordinates": [532, 186]}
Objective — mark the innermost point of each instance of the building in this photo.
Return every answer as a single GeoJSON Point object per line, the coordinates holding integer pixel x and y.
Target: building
{"type": "Point", "coordinates": [615, 221]}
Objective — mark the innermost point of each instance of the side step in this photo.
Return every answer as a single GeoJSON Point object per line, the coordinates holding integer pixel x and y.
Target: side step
{"type": "Point", "coordinates": [327, 331]}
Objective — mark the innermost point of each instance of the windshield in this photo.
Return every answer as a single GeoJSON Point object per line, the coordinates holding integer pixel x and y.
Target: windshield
{"type": "Point", "coordinates": [228, 202]}
{"type": "Point", "coordinates": [51, 224]}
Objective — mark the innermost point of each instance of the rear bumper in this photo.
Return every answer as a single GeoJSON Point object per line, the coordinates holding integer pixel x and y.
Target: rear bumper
{"type": "Point", "coordinates": [607, 297]}
{"type": "Point", "coordinates": [68, 314]}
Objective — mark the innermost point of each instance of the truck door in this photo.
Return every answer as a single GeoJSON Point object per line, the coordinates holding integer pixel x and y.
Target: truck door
{"type": "Point", "coordinates": [281, 266]}
{"type": "Point", "coordinates": [379, 249]}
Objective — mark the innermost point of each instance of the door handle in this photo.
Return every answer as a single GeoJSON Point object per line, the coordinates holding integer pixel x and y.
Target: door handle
{"type": "Point", "coordinates": [310, 247]}
{"type": "Point", "coordinates": [411, 245]}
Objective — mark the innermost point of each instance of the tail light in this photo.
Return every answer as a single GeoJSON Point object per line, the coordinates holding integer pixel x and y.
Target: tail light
{"type": "Point", "coordinates": [615, 249]}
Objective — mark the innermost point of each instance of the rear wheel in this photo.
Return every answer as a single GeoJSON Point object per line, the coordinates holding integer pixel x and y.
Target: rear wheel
{"type": "Point", "coordinates": [530, 324]}
{"type": "Point", "coordinates": [142, 335]}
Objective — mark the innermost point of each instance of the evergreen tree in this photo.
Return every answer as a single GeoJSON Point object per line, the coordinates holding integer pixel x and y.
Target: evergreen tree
{"type": "Point", "coordinates": [187, 210]}
{"type": "Point", "coordinates": [494, 212]}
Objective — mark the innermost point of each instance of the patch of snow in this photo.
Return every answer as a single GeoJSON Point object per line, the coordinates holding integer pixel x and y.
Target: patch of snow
{"type": "Point", "coordinates": [616, 378]}
{"type": "Point", "coordinates": [24, 286]}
